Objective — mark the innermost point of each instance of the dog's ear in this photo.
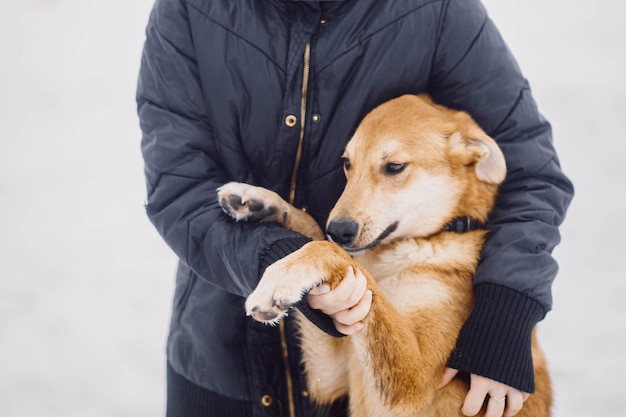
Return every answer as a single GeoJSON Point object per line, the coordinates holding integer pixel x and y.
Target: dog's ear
{"type": "Point", "coordinates": [475, 147]}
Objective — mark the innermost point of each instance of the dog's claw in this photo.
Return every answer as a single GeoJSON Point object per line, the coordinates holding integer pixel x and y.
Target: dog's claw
{"type": "Point", "coordinates": [283, 304]}
{"type": "Point", "coordinates": [264, 316]}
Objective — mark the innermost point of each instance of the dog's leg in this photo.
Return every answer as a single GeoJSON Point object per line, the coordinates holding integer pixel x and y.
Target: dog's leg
{"type": "Point", "coordinates": [323, 355]}
{"type": "Point", "coordinates": [326, 362]}
{"type": "Point", "coordinates": [403, 353]}
{"type": "Point", "coordinates": [397, 364]}
{"type": "Point", "coordinates": [285, 282]}
{"type": "Point", "coordinates": [244, 202]}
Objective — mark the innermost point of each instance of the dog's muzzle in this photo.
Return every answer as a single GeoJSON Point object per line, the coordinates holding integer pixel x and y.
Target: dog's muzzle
{"type": "Point", "coordinates": [345, 231]}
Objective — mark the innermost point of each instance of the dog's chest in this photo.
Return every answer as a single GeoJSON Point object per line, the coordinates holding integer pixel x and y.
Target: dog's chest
{"type": "Point", "coordinates": [403, 274]}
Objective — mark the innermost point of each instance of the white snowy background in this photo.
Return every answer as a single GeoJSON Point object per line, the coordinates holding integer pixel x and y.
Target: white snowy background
{"type": "Point", "coordinates": [86, 282]}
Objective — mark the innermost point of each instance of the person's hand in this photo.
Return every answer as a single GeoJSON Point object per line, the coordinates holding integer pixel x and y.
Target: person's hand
{"type": "Point", "coordinates": [503, 400]}
{"type": "Point", "coordinates": [347, 304]}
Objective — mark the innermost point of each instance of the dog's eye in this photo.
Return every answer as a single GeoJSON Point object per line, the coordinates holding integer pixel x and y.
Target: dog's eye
{"type": "Point", "coordinates": [346, 164]}
{"type": "Point", "coordinates": [393, 169]}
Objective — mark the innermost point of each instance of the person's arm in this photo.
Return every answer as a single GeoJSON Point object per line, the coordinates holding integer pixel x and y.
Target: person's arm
{"type": "Point", "coordinates": [473, 70]}
{"type": "Point", "coordinates": [183, 172]}
{"type": "Point", "coordinates": [182, 164]}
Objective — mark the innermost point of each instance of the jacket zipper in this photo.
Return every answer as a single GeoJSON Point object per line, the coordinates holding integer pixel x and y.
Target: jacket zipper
{"type": "Point", "coordinates": [305, 87]}
{"type": "Point", "coordinates": [292, 197]}
{"type": "Point", "coordinates": [290, 396]}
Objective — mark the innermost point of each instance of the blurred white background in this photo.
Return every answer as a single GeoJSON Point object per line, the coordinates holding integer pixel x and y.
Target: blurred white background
{"type": "Point", "coordinates": [86, 282]}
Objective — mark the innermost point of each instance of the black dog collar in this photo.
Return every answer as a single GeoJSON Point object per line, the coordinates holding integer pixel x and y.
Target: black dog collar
{"type": "Point", "coordinates": [462, 225]}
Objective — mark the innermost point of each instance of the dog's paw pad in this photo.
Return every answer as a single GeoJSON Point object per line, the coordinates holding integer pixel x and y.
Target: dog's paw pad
{"type": "Point", "coordinates": [244, 202]}
{"type": "Point", "coordinates": [268, 316]}
{"type": "Point", "coordinates": [255, 205]}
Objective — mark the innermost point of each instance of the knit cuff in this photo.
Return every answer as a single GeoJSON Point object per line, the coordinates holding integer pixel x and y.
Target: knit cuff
{"type": "Point", "coordinates": [323, 321]}
{"type": "Point", "coordinates": [279, 250]}
{"type": "Point", "coordinates": [495, 341]}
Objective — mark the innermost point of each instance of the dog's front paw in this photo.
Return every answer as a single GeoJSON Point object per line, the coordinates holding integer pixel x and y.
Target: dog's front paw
{"type": "Point", "coordinates": [249, 203]}
{"type": "Point", "coordinates": [267, 305]}
{"type": "Point", "coordinates": [283, 284]}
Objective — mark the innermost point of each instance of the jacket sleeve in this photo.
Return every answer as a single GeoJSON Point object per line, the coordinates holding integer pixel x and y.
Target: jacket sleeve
{"type": "Point", "coordinates": [473, 70]}
{"type": "Point", "coordinates": [182, 164]}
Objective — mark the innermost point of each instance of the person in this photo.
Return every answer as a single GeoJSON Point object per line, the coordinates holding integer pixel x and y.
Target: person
{"type": "Point", "coordinates": [268, 92]}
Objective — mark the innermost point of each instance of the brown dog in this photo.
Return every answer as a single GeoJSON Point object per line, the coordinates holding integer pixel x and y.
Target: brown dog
{"type": "Point", "coordinates": [412, 167]}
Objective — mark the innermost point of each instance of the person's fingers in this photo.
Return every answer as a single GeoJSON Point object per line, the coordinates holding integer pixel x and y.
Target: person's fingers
{"type": "Point", "coordinates": [346, 295]}
{"type": "Point", "coordinates": [315, 300]}
{"type": "Point", "coordinates": [348, 330]}
{"type": "Point", "coordinates": [359, 289]}
{"type": "Point", "coordinates": [447, 377]}
{"type": "Point", "coordinates": [475, 396]}
{"type": "Point", "coordinates": [496, 404]}
{"type": "Point", "coordinates": [321, 298]}
{"type": "Point", "coordinates": [350, 316]}
{"type": "Point", "coordinates": [502, 401]}
{"type": "Point", "coordinates": [320, 289]}
{"type": "Point", "coordinates": [514, 403]}
{"type": "Point", "coordinates": [473, 403]}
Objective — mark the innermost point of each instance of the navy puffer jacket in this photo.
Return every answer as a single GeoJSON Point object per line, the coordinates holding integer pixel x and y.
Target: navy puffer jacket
{"type": "Point", "coordinates": [230, 90]}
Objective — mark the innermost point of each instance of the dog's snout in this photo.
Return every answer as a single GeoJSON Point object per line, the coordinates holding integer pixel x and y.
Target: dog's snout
{"type": "Point", "coordinates": [343, 231]}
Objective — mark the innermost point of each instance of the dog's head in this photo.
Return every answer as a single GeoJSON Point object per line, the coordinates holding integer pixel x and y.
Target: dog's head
{"type": "Point", "coordinates": [411, 167]}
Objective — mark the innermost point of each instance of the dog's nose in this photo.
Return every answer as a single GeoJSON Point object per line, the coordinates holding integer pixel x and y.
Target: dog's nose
{"type": "Point", "coordinates": [342, 231]}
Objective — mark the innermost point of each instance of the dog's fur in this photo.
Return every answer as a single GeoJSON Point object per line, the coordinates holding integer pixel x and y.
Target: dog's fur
{"type": "Point", "coordinates": [412, 166]}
